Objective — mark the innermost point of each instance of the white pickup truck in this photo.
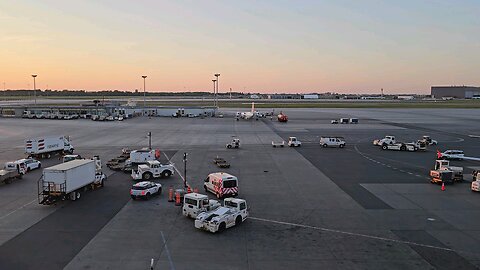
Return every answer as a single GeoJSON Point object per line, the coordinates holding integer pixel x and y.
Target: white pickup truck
{"type": "Point", "coordinates": [233, 213]}
{"type": "Point", "coordinates": [152, 169]}
{"type": "Point", "coordinates": [294, 142]}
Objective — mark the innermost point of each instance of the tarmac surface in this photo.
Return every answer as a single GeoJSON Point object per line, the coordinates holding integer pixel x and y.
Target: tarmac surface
{"type": "Point", "coordinates": [310, 207]}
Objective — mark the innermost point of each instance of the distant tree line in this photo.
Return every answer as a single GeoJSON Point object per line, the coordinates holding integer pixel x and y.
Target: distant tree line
{"type": "Point", "coordinates": [53, 93]}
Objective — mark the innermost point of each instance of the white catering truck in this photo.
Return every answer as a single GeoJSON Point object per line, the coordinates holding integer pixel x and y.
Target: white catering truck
{"type": "Point", "coordinates": [195, 203]}
{"type": "Point", "coordinates": [45, 147]}
{"type": "Point", "coordinates": [232, 213]}
{"type": "Point", "coordinates": [68, 180]}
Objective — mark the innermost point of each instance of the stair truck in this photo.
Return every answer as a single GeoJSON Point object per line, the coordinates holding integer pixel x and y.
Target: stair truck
{"type": "Point", "coordinates": [45, 147]}
{"type": "Point", "coordinates": [69, 180]}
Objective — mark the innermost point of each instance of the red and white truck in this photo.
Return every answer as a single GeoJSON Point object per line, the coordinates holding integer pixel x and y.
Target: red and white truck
{"type": "Point", "coordinates": [45, 147]}
{"type": "Point", "coordinates": [221, 184]}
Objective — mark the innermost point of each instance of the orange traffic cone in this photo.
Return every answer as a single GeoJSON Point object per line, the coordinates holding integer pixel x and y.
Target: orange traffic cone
{"type": "Point", "coordinates": [177, 199]}
{"type": "Point", "coordinates": [443, 186]}
{"type": "Point", "coordinates": [189, 190]}
{"type": "Point", "coordinates": [170, 194]}
{"type": "Point", "coordinates": [195, 190]}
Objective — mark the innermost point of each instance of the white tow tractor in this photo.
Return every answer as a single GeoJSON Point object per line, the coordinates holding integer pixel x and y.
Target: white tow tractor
{"type": "Point", "coordinates": [152, 169]}
{"type": "Point", "coordinates": [232, 213]}
{"type": "Point", "coordinates": [388, 140]}
{"type": "Point", "coordinates": [400, 147]}
{"type": "Point", "coordinates": [235, 143]}
{"type": "Point", "coordinates": [294, 142]}
{"type": "Point", "coordinates": [196, 203]}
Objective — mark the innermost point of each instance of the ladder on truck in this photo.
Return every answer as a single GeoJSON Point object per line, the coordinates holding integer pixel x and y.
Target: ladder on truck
{"type": "Point", "coordinates": [48, 192]}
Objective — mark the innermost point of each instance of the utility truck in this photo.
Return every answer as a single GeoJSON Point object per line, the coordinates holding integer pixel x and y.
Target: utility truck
{"type": "Point", "coordinates": [196, 203]}
{"type": "Point", "coordinates": [68, 180]}
{"type": "Point", "coordinates": [11, 171]}
{"type": "Point", "coordinates": [294, 142]}
{"type": "Point", "coordinates": [232, 213]}
{"type": "Point", "coordinates": [141, 156]}
{"type": "Point", "coordinates": [152, 169]}
{"type": "Point", "coordinates": [45, 147]}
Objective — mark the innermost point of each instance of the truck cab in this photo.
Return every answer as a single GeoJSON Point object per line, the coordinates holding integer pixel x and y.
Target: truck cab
{"type": "Point", "coordinates": [388, 140]}
{"type": "Point", "coordinates": [195, 203]}
{"type": "Point", "coordinates": [152, 169]}
{"type": "Point", "coordinates": [294, 142]}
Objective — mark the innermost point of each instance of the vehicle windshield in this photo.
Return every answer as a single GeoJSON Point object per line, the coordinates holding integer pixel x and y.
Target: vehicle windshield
{"type": "Point", "coordinates": [229, 183]}
{"type": "Point", "coordinates": [231, 204]}
{"type": "Point", "coordinates": [191, 201]}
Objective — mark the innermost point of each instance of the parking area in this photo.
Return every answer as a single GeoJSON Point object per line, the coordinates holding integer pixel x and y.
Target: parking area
{"type": "Point", "coordinates": [310, 207]}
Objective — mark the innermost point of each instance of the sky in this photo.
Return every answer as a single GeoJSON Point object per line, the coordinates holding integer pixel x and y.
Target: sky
{"type": "Point", "coordinates": [345, 46]}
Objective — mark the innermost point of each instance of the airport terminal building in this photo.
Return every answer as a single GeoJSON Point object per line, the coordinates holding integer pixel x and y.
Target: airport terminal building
{"type": "Point", "coordinates": [455, 91]}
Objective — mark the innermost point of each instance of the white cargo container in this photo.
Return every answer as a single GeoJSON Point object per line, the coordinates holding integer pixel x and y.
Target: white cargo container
{"type": "Point", "coordinates": [67, 180]}
{"type": "Point", "coordinates": [44, 147]}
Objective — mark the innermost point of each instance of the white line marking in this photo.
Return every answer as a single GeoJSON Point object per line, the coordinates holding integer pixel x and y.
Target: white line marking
{"type": "Point", "coordinates": [175, 167]}
{"type": "Point", "coordinates": [6, 215]}
{"type": "Point", "coordinates": [354, 234]}
{"type": "Point", "coordinates": [167, 252]}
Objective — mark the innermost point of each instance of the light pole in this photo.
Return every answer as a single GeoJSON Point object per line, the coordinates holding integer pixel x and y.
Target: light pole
{"type": "Point", "coordinates": [149, 135]}
{"type": "Point", "coordinates": [214, 91]}
{"type": "Point", "coordinates": [144, 95]}
{"type": "Point", "coordinates": [34, 89]}
{"type": "Point", "coordinates": [216, 95]}
{"type": "Point", "coordinates": [185, 170]}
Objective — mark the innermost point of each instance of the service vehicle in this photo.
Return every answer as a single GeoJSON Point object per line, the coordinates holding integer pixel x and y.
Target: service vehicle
{"type": "Point", "coordinates": [422, 145]}
{"type": "Point", "coordinates": [451, 154]}
{"type": "Point", "coordinates": [457, 172]}
{"type": "Point", "coordinates": [11, 171]}
{"type": "Point", "coordinates": [68, 158]}
{"type": "Point", "coordinates": [221, 184]}
{"type": "Point", "coordinates": [152, 169]}
{"type": "Point", "coordinates": [30, 163]}
{"type": "Point", "coordinates": [235, 143]}
{"type": "Point", "coordinates": [344, 120]}
{"type": "Point", "coordinates": [196, 203]}
{"type": "Point", "coordinates": [332, 142]}
{"type": "Point", "coordinates": [68, 180]}
{"type": "Point", "coordinates": [385, 141]}
{"type": "Point", "coordinates": [441, 176]}
{"type": "Point", "coordinates": [45, 147]}
{"type": "Point", "coordinates": [334, 122]}
{"type": "Point", "coordinates": [294, 142]}
{"type": "Point", "coordinates": [138, 157]}
{"type": "Point", "coordinates": [278, 144]}
{"type": "Point", "coordinates": [475, 186]}
{"type": "Point", "coordinates": [232, 213]}
{"type": "Point", "coordinates": [401, 147]}
{"type": "Point", "coordinates": [429, 140]}
{"type": "Point", "coordinates": [353, 120]}
{"type": "Point", "coordinates": [281, 117]}
{"type": "Point", "coordinates": [145, 189]}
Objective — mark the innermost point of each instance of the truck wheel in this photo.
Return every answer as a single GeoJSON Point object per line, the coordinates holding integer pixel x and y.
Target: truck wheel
{"type": "Point", "coordinates": [147, 196]}
{"type": "Point", "coordinates": [342, 145]}
{"type": "Point", "coordinates": [384, 147]}
{"type": "Point", "coordinates": [238, 220]}
{"type": "Point", "coordinates": [147, 176]}
{"type": "Point", "coordinates": [222, 227]}
{"type": "Point", "coordinates": [403, 148]}
{"type": "Point", "coordinates": [166, 173]}
{"type": "Point", "coordinates": [281, 145]}
{"type": "Point", "coordinates": [133, 197]}
{"type": "Point", "coordinates": [206, 189]}
{"type": "Point", "coordinates": [229, 146]}
{"type": "Point", "coordinates": [78, 195]}
{"type": "Point", "coordinates": [274, 146]}
{"type": "Point", "coordinates": [324, 145]}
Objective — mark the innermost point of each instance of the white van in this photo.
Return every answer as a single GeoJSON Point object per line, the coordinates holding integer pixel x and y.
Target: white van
{"type": "Point", "coordinates": [221, 184]}
{"type": "Point", "coordinates": [332, 142]}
